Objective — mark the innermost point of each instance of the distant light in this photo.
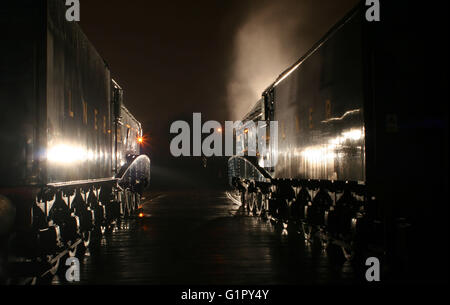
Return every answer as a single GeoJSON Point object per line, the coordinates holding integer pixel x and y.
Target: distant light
{"type": "Point", "coordinates": [140, 140]}
{"type": "Point", "coordinates": [261, 162]}
{"type": "Point", "coordinates": [219, 129]}
{"type": "Point", "coordinates": [141, 215]}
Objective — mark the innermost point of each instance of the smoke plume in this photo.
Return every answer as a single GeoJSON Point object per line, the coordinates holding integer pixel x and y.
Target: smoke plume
{"type": "Point", "coordinates": [272, 37]}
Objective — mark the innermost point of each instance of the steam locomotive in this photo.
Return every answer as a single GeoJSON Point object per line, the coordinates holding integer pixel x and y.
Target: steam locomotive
{"type": "Point", "coordinates": [70, 150]}
{"type": "Point", "coordinates": [359, 159]}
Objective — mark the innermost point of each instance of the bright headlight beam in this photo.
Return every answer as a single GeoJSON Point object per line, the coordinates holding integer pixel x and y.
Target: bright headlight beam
{"type": "Point", "coordinates": [65, 154]}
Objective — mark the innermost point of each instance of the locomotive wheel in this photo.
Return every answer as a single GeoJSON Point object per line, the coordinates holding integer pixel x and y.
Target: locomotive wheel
{"type": "Point", "coordinates": [348, 253]}
{"type": "Point", "coordinates": [306, 231]}
{"type": "Point", "coordinates": [264, 207]}
{"type": "Point", "coordinates": [256, 203]}
{"type": "Point", "coordinates": [130, 203]}
{"type": "Point", "coordinates": [137, 201]}
{"type": "Point", "coordinates": [259, 203]}
{"type": "Point", "coordinates": [126, 210]}
{"type": "Point", "coordinates": [55, 266]}
{"type": "Point", "coordinates": [127, 206]}
{"type": "Point", "coordinates": [87, 238]}
{"type": "Point", "coordinates": [244, 199]}
{"type": "Point", "coordinates": [251, 202]}
{"type": "Point", "coordinates": [324, 239]}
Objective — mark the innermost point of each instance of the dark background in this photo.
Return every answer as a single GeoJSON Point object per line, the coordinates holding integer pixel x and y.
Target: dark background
{"type": "Point", "coordinates": [216, 57]}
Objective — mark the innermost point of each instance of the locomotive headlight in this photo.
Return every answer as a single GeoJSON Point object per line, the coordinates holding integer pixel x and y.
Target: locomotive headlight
{"type": "Point", "coordinates": [353, 134]}
{"type": "Point", "coordinates": [91, 155]}
{"type": "Point", "coordinates": [65, 154]}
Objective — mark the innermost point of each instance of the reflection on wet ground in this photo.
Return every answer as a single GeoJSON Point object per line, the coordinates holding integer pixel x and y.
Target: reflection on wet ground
{"type": "Point", "coordinates": [202, 237]}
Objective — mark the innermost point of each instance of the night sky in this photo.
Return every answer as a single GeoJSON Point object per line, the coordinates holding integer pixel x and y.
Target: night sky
{"type": "Point", "coordinates": [216, 57]}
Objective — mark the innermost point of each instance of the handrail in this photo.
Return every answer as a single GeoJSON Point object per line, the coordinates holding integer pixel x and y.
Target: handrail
{"type": "Point", "coordinates": [135, 171]}
{"type": "Point", "coordinates": [239, 166]}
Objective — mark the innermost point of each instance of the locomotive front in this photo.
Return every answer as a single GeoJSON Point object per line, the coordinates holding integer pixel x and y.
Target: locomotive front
{"type": "Point", "coordinates": [69, 145]}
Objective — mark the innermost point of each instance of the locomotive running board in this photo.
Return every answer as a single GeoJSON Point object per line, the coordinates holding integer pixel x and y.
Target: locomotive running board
{"type": "Point", "coordinates": [80, 183]}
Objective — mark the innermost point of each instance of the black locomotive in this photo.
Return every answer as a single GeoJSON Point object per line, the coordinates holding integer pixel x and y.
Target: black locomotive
{"type": "Point", "coordinates": [361, 154]}
{"type": "Point", "coordinates": [70, 162]}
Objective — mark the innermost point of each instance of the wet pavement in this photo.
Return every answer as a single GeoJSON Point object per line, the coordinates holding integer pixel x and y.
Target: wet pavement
{"type": "Point", "coordinates": [201, 237]}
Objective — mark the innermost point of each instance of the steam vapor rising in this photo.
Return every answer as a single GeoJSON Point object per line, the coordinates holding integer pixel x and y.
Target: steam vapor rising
{"type": "Point", "coordinates": [272, 37]}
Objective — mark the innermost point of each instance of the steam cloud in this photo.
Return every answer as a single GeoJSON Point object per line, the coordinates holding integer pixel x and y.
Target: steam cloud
{"type": "Point", "coordinates": [272, 37]}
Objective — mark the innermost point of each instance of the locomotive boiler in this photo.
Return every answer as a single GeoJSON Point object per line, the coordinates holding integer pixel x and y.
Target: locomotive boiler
{"type": "Point", "coordinates": [70, 149]}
